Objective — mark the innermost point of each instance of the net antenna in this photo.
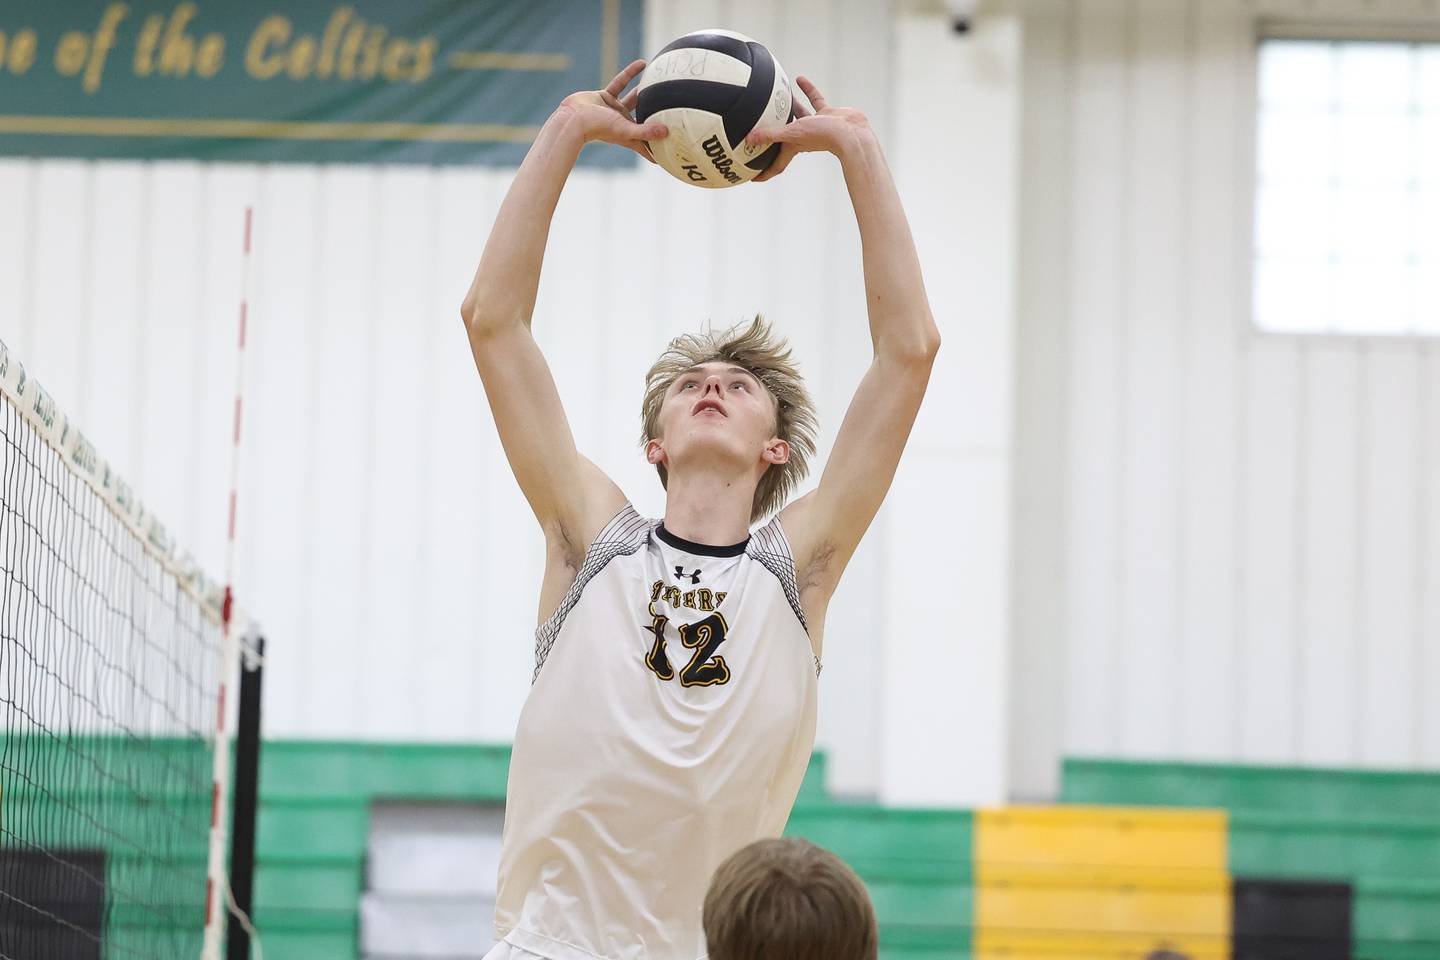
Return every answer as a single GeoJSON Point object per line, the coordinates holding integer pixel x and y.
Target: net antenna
{"type": "Point", "coordinates": [217, 884]}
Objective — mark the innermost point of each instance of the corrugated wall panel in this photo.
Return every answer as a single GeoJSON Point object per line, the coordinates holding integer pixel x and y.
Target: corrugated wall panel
{"type": "Point", "coordinates": [1388, 641]}
{"type": "Point", "coordinates": [1037, 707]}
{"type": "Point", "coordinates": [1150, 362]}
{"type": "Point", "coordinates": [1248, 534]}
{"type": "Point", "coordinates": [1329, 534]}
{"type": "Point", "coordinates": [1099, 179]}
{"type": "Point", "coordinates": [1210, 371]}
{"type": "Point", "coordinates": [1427, 667]}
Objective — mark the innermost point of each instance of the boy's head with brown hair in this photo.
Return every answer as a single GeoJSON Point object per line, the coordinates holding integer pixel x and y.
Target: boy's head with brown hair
{"type": "Point", "coordinates": [788, 899]}
{"type": "Point", "coordinates": [769, 423]}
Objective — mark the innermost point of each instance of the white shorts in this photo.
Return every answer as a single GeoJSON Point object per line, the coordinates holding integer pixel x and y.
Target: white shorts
{"type": "Point", "coordinates": [506, 951]}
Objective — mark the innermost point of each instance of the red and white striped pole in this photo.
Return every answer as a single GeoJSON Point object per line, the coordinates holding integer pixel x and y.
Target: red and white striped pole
{"type": "Point", "coordinates": [216, 881]}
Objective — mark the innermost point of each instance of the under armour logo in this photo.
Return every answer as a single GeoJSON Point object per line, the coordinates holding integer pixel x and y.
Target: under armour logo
{"type": "Point", "coordinates": [680, 573]}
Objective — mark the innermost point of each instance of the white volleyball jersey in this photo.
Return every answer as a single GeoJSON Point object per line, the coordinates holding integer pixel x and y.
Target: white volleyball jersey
{"type": "Point", "coordinates": [669, 724]}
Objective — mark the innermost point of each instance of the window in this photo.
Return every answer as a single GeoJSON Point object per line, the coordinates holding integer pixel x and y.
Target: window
{"type": "Point", "coordinates": [1347, 203]}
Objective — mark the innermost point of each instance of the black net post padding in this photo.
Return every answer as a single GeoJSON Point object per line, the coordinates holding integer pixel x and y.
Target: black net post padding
{"type": "Point", "coordinates": [245, 799]}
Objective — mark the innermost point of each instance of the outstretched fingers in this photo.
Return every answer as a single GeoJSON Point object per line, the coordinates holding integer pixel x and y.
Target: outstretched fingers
{"type": "Point", "coordinates": [626, 109]}
{"type": "Point", "coordinates": [626, 106]}
{"type": "Point", "coordinates": [623, 78]}
{"type": "Point", "coordinates": [817, 99]}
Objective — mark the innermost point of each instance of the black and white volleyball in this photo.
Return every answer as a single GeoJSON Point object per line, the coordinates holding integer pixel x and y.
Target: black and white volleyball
{"type": "Point", "coordinates": [711, 88]}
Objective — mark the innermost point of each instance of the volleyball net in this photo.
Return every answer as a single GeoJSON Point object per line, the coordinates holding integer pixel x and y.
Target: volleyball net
{"type": "Point", "coordinates": [111, 662]}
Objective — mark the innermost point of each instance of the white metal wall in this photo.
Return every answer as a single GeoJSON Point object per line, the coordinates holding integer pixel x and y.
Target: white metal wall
{"type": "Point", "coordinates": [383, 541]}
{"type": "Point", "coordinates": [1225, 545]}
{"type": "Point", "coordinates": [1228, 545]}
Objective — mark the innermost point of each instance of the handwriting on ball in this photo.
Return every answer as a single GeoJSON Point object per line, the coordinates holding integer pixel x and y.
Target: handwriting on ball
{"type": "Point", "coordinates": [679, 63]}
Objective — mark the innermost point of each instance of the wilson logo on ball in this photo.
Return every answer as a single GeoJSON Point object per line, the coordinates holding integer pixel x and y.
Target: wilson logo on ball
{"type": "Point", "coordinates": [712, 88]}
{"type": "Point", "coordinates": [716, 152]}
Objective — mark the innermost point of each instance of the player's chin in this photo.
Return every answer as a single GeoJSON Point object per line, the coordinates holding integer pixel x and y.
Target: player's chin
{"type": "Point", "coordinates": [718, 439]}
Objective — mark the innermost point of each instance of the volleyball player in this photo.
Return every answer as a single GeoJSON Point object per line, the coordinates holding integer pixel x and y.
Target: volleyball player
{"type": "Point", "coordinates": [672, 711]}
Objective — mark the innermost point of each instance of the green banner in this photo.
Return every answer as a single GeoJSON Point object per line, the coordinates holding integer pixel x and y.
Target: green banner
{"type": "Point", "coordinates": [365, 81]}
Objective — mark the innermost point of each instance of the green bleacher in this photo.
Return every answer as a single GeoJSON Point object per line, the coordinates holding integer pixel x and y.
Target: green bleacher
{"type": "Point", "coordinates": [1379, 831]}
{"type": "Point", "coordinates": [918, 865]}
{"type": "Point", "coordinates": [315, 800]}
{"type": "Point", "coordinates": [143, 804]}
{"type": "Point", "coordinates": [314, 822]}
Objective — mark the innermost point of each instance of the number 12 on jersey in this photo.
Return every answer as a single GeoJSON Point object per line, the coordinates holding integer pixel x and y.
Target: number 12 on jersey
{"type": "Point", "coordinates": [706, 668]}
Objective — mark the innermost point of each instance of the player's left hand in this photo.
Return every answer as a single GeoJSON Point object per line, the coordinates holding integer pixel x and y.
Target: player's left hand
{"type": "Point", "coordinates": [829, 129]}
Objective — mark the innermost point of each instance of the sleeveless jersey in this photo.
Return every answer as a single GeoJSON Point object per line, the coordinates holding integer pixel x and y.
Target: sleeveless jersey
{"type": "Point", "coordinates": [669, 723]}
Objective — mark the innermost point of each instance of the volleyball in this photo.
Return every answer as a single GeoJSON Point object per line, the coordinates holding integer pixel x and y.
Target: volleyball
{"type": "Point", "coordinates": [711, 88]}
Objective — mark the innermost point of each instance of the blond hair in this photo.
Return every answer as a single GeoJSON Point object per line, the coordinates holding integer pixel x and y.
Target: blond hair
{"type": "Point", "coordinates": [788, 899]}
{"type": "Point", "coordinates": [767, 358]}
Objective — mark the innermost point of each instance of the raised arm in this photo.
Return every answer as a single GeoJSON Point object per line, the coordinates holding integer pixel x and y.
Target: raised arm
{"type": "Point", "coordinates": [825, 525]}
{"type": "Point", "coordinates": [565, 490]}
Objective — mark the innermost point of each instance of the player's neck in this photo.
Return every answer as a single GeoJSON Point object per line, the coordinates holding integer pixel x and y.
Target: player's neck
{"type": "Point", "coordinates": [709, 508]}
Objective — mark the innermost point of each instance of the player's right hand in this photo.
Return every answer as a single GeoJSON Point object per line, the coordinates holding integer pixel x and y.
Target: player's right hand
{"type": "Point", "coordinates": [604, 116]}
